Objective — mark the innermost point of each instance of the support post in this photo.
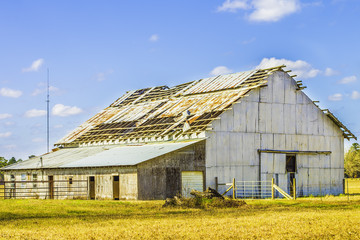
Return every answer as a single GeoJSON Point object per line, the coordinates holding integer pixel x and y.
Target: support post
{"type": "Point", "coordinates": [272, 189]}
{"type": "Point", "coordinates": [234, 191]}
{"type": "Point", "coordinates": [216, 184]}
{"type": "Point", "coordinates": [347, 186]}
{"type": "Point", "coordinates": [294, 188]}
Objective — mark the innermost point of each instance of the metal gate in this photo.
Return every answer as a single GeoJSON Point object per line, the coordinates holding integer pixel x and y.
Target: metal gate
{"type": "Point", "coordinates": [51, 189]}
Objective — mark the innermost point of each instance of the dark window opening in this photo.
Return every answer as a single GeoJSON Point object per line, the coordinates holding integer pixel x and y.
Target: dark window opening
{"type": "Point", "coordinates": [291, 163]}
{"type": "Point", "coordinates": [34, 178]}
{"type": "Point", "coordinates": [70, 180]}
{"type": "Point", "coordinates": [291, 170]}
{"type": "Point", "coordinates": [116, 188]}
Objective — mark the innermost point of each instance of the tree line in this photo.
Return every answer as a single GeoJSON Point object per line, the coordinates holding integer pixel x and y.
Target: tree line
{"type": "Point", "coordinates": [352, 161]}
{"type": "Point", "coordinates": [5, 162]}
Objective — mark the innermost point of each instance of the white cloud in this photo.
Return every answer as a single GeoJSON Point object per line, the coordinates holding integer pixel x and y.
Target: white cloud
{"type": "Point", "coordinates": [154, 38]}
{"type": "Point", "coordinates": [220, 70]}
{"type": "Point", "coordinates": [355, 95]}
{"type": "Point", "coordinates": [58, 126]}
{"type": "Point", "coordinates": [35, 113]}
{"type": "Point", "coordinates": [273, 10]}
{"type": "Point", "coordinates": [39, 91]}
{"type": "Point", "coordinates": [262, 10]}
{"type": "Point", "coordinates": [300, 68]}
{"type": "Point", "coordinates": [5, 135]}
{"type": "Point", "coordinates": [34, 66]}
{"type": "Point", "coordinates": [9, 123]}
{"type": "Point", "coordinates": [102, 75]}
{"type": "Point", "coordinates": [64, 111]}
{"type": "Point", "coordinates": [335, 97]}
{"type": "Point", "coordinates": [37, 140]}
{"type": "Point", "coordinates": [347, 80]}
{"type": "Point", "coordinates": [5, 115]}
{"type": "Point", "coordinates": [233, 5]}
{"type": "Point", "coordinates": [330, 72]}
{"type": "Point", "coordinates": [7, 92]}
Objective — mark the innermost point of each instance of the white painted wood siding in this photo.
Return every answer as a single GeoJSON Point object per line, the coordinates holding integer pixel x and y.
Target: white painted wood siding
{"type": "Point", "coordinates": [276, 117]}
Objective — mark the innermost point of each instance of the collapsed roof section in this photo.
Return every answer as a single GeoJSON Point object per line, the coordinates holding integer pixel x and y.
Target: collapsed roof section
{"type": "Point", "coordinates": [163, 113]}
{"type": "Point", "coordinates": [160, 113]}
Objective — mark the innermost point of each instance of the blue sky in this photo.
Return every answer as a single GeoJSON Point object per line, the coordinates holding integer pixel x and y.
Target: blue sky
{"type": "Point", "coordinates": [98, 50]}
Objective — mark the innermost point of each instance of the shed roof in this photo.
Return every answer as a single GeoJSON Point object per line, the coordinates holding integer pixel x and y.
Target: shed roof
{"type": "Point", "coordinates": [100, 156]}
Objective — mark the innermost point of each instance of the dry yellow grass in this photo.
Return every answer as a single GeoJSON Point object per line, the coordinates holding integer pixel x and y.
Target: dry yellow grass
{"type": "Point", "coordinates": [352, 185]}
{"type": "Point", "coordinates": [310, 218]}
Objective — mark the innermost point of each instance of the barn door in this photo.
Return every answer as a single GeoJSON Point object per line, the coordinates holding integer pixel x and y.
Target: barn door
{"type": "Point", "coordinates": [92, 187]}
{"type": "Point", "coordinates": [116, 187]}
{"type": "Point", "coordinates": [191, 180]}
{"type": "Point", "coordinates": [51, 187]}
{"type": "Point", "coordinates": [291, 171]}
{"type": "Point", "coordinates": [128, 186]}
{"type": "Point", "coordinates": [273, 165]}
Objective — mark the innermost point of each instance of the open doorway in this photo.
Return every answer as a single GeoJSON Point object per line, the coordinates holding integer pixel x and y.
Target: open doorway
{"type": "Point", "coordinates": [51, 187]}
{"type": "Point", "coordinates": [92, 187]}
{"type": "Point", "coordinates": [116, 188]}
{"type": "Point", "coordinates": [291, 171]}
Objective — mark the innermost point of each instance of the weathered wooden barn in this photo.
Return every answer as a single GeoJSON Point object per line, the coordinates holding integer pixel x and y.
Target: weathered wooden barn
{"type": "Point", "coordinates": [153, 143]}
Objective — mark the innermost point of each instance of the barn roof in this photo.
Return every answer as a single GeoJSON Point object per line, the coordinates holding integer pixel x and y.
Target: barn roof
{"type": "Point", "coordinates": [100, 156]}
{"type": "Point", "coordinates": [162, 112]}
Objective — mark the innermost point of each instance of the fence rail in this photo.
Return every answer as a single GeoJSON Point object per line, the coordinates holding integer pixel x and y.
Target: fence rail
{"type": "Point", "coordinates": [253, 189]}
{"type": "Point", "coordinates": [257, 189]}
{"type": "Point", "coordinates": [47, 189]}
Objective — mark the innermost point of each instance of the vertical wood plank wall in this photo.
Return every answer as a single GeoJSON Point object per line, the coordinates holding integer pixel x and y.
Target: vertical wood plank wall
{"type": "Point", "coordinates": [276, 117]}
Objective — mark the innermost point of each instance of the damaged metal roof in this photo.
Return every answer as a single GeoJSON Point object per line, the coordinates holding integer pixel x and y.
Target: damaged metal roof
{"type": "Point", "coordinates": [100, 156]}
{"type": "Point", "coordinates": [162, 111]}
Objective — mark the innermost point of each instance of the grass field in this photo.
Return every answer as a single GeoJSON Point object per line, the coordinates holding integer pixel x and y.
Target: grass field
{"type": "Point", "coordinates": [352, 185]}
{"type": "Point", "coordinates": [308, 218]}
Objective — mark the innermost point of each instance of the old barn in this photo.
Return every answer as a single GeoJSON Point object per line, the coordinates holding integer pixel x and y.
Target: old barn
{"type": "Point", "coordinates": [156, 142]}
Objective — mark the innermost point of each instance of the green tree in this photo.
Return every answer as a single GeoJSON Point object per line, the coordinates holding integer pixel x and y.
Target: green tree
{"type": "Point", "coordinates": [12, 160]}
{"type": "Point", "coordinates": [3, 162]}
{"type": "Point", "coordinates": [352, 161]}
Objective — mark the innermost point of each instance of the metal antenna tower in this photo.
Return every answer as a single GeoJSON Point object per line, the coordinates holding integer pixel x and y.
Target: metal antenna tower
{"type": "Point", "coordinates": [48, 112]}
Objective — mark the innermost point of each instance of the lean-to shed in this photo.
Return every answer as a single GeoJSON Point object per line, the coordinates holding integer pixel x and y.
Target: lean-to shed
{"type": "Point", "coordinates": [153, 143]}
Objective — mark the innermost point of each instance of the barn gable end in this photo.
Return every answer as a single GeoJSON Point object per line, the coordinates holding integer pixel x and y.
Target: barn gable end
{"type": "Point", "coordinates": [279, 117]}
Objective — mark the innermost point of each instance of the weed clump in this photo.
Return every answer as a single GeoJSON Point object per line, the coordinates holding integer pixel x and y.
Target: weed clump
{"type": "Point", "coordinates": [208, 199]}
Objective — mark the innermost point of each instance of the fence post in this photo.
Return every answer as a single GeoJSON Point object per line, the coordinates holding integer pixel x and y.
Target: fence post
{"type": "Point", "coordinates": [347, 186]}
{"type": "Point", "coordinates": [272, 189]}
{"type": "Point", "coordinates": [216, 184]}
{"type": "Point", "coordinates": [294, 188]}
{"type": "Point", "coordinates": [234, 192]}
